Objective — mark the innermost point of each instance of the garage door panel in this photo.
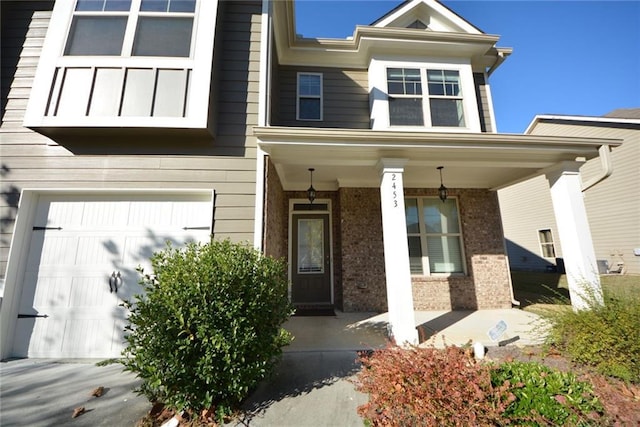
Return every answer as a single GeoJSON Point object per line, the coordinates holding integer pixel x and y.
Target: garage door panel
{"type": "Point", "coordinates": [53, 213]}
{"type": "Point", "coordinates": [53, 249]}
{"type": "Point", "coordinates": [106, 214]}
{"type": "Point", "coordinates": [69, 267]}
{"type": "Point", "coordinates": [99, 249]}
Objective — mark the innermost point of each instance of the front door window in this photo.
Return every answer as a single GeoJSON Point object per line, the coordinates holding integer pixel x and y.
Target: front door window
{"type": "Point", "coordinates": [310, 245]}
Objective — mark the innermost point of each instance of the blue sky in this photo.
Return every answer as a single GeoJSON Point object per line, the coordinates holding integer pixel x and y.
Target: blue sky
{"type": "Point", "coordinates": [569, 57]}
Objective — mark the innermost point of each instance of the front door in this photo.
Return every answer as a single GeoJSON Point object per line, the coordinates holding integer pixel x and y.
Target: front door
{"type": "Point", "coordinates": [311, 259]}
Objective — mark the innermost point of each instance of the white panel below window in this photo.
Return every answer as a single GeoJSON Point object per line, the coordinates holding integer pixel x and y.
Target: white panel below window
{"type": "Point", "coordinates": [138, 92]}
{"type": "Point", "coordinates": [76, 89]}
{"type": "Point", "coordinates": [170, 93]}
{"type": "Point", "coordinates": [105, 100]}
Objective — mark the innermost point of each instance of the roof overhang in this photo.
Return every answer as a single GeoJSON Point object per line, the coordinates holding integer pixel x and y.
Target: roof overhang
{"type": "Point", "coordinates": [368, 42]}
{"type": "Point", "coordinates": [349, 158]}
{"type": "Point", "coordinates": [603, 120]}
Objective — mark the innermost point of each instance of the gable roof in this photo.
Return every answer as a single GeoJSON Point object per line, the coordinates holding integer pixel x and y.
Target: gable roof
{"type": "Point", "coordinates": [438, 17]}
{"type": "Point", "coordinates": [624, 113]}
{"type": "Point", "coordinates": [619, 117]}
{"type": "Point", "coordinates": [449, 36]}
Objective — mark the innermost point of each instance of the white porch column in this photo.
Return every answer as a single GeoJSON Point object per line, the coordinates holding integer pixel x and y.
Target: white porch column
{"type": "Point", "coordinates": [396, 252]}
{"type": "Point", "coordinates": [575, 235]}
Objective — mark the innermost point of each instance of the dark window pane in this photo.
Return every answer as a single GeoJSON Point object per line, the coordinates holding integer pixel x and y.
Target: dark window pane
{"type": "Point", "coordinates": [436, 89]}
{"type": "Point", "coordinates": [396, 88]}
{"type": "Point", "coordinates": [96, 35]}
{"type": "Point", "coordinates": [415, 255]}
{"type": "Point", "coordinates": [446, 112]}
{"type": "Point", "coordinates": [163, 37]}
{"type": "Point", "coordinates": [117, 5]}
{"type": "Point", "coordinates": [89, 5]}
{"type": "Point", "coordinates": [182, 5]}
{"type": "Point", "coordinates": [405, 111]}
{"type": "Point", "coordinates": [309, 84]}
{"type": "Point", "coordinates": [154, 5]}
{"type": "Point", "coordinates": [309, 109]}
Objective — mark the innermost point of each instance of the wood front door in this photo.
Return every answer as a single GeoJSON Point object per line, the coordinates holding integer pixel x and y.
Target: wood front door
{"type": "Point", "coordinates": [311, 259]}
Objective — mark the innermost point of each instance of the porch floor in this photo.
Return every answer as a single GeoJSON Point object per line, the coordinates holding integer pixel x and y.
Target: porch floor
{"type": "Point", "coordinates": [356, 331]}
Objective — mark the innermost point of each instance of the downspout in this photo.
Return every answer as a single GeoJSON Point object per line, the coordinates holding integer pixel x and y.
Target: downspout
{"type": "Point", "coordinates": [604, 152]}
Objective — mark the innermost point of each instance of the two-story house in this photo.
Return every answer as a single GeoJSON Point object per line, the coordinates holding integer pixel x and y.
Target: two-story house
{"type": "Point", "coordinates": [613, 205]}
{"type": "Point", "coordinates": [369, 163]}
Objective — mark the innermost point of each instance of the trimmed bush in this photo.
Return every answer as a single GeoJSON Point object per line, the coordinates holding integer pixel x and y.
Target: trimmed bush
{"type": "Point", "coordinates": [208, 327]}
{"type": "Point", "coordinates": [605, 337]}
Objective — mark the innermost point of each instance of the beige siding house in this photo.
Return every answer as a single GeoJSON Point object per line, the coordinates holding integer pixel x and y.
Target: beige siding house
{"type": "Point", "coordinates": [114, 155]}
{"type": "Point", "coordinates": [371, 164]}
{"type": "Point", "coordinates": [613, 204]}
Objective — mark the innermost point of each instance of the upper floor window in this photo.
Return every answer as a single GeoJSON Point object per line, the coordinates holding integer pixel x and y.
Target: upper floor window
{"type": "Point", "coordinates": [441, 105]}
{"type": "Point", "coordinates": [131, 28]}
{"type": "Point", "coordinates": [434, 236]}
{"type": "Point", "coordinates": [309, 96]}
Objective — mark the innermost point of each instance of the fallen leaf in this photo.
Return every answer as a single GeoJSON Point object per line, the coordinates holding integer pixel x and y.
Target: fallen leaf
{"type": "Point", "coordinates": [97, 392]}
{"type": "Point", "coordinates": [78, 411]}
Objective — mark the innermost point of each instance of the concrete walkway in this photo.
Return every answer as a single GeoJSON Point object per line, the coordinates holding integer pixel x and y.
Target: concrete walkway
{"type": "Point", "coordinates": [311, 386]}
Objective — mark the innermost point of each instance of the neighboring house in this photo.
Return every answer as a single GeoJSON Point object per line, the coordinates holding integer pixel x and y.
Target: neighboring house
{"type": "Point", "coordinates": [129, 123]}
{"type": "Point", "coordinates": [613, 205]}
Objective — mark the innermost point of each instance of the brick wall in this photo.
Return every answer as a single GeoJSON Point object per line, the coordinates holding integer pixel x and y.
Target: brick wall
{"type": "Point", "coordinates": [275, 214]}
{"type": "Point", "coordinates": [487, 284]}
{"type": "Point", "coordinates": [363, 276]}
{"type": "Point", "coordinates": [358, 253]}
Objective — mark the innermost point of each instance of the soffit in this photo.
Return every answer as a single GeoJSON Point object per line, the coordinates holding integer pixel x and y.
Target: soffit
{"type": "Point", "coordinates": [348, 158]}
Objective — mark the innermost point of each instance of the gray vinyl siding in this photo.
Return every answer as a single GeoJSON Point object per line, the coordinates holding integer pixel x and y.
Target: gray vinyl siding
{"type": "Point", "coordinates": [484, 108]}
{"type": "Point", "coordinates": [226, 164]}
{"type": "Point", "coordinates": [345, 98]}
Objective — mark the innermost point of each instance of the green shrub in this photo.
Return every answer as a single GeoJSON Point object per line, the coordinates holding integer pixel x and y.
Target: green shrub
{"type": "Point", "coordinates": [208, 327]}
{"type": "Point", "coordinates": [426, 386]}
{"type": "Point", "coordinates": [545, 397]}
{"type": "Point", "coordinates": [606, 337]}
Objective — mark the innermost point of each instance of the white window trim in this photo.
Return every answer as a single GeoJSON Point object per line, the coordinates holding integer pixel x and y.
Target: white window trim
{"type": "Point", "coordinates": [426, 268]}
{"type": "Point", "coordinates": [541, 244]}
{"type": "Point", "coordinates": [320, 97]}
{"type": "Point", "coordinates": [52, 57]}
{"type": "Point", "coordinates": [379, 103]}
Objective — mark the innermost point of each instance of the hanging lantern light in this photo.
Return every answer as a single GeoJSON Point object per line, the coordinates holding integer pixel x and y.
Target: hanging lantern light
{"type": "Point", "coordinates": [442, 191]}
{"type": "Point", "coordinates": [311, 192]}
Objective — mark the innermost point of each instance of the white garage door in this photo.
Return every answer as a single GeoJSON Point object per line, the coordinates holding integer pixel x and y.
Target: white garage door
{"type": "Point", "coordinates": [83, 248]}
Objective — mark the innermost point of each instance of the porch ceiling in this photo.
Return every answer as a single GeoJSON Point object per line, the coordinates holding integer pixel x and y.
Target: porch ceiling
{"type": "Point", "coordinates": [349, 158]}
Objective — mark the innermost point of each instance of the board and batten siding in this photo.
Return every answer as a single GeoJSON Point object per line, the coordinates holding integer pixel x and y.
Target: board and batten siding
{"type": "Point", "coordinates": [484, 106]}
{"type": "Point", "coordinates": [226, 164]}
{"type": "Point", "coordinates": [345, 98]}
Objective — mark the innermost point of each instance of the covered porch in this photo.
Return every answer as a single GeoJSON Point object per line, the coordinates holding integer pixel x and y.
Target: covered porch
{"type": "Point", "coordinates": [384, 240]}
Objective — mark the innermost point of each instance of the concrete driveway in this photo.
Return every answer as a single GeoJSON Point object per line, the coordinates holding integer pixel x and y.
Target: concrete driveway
{"type": "Point", "coordinates": [44, 392]}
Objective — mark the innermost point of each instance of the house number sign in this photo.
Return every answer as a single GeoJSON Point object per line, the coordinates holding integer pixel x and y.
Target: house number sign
{"type": "Point", "coordinates": [394, 192]}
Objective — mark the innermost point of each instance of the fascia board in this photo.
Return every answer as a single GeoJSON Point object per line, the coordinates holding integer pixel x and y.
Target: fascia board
{"type": "Point", "coordinates": [273, 134]}
{"type": "Point", "coordinates": [368, 41]}
{"type": "Point", "coordinates": [439, 8]}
